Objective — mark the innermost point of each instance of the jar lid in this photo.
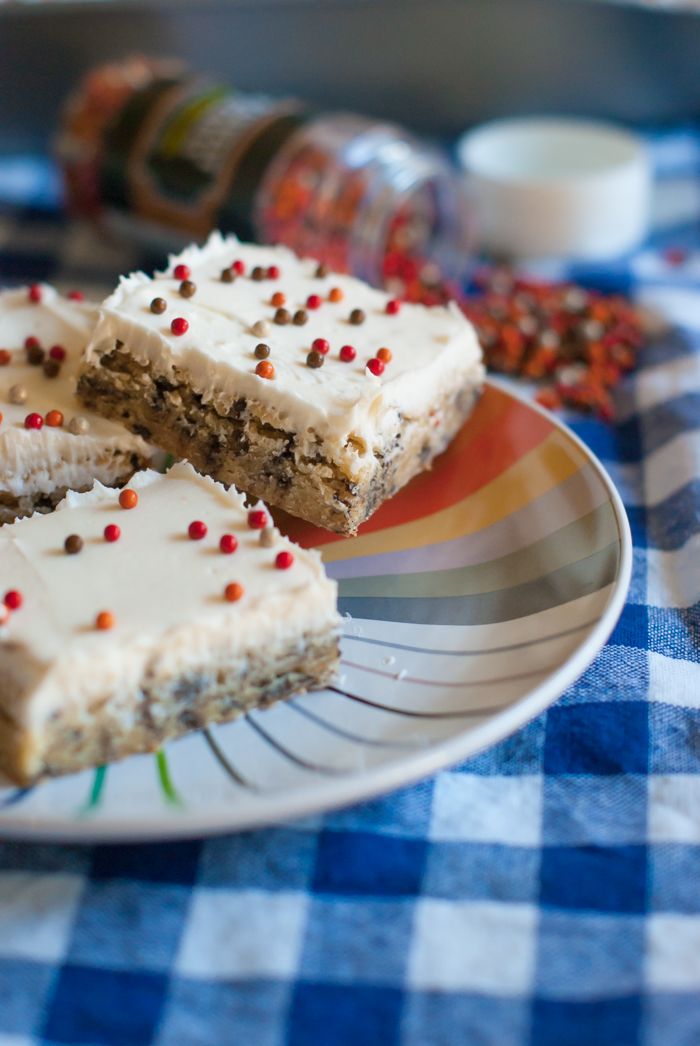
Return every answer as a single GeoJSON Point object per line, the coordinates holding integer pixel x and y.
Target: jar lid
{"type": "Point", "coordinates": [545, 186]}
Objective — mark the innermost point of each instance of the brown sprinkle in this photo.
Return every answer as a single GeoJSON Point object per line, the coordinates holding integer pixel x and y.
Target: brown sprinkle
{"type": "Point", "coordinates": [73, 544]}
{"type": "Point", "coordinates": [301, 316]}
{"type": "Point", "coordinates": [314, 359]}
{"type": "Point", "coordinates": [158, 306]}
{"type": "Point", "coordinates": [262, 351]}
{"type": "Point", "coordinates": [321, 270]}
{"type": "Point", "coordinates": [52, 368]}
{"type": "Point", "coordinates": [258, 274]}
{"type": "Point", "coordinates": [357, 317]}
{"type": "Point", "coordinates": [35, 355]}
{"type": "Point", "coordinates": [282, 317]}
{"type": "Point", "coordinates": [227, 276]}
{"type": "Point", "coordinates": [188, 288]}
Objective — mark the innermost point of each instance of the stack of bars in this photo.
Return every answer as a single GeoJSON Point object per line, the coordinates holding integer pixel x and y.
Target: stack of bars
{"type": "Point", "coordinates": [130, 618]}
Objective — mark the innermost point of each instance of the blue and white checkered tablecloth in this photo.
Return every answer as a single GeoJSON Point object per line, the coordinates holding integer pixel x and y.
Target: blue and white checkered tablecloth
{"type": "Point", "coordinates": [562, 906]}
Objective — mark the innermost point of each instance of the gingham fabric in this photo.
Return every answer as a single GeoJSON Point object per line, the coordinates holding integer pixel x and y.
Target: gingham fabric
{"type": "Point", "coordinates": [546, 892]}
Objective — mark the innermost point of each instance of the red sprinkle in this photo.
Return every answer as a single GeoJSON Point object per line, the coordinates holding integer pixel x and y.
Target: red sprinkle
{"type": "Point", "coordinates": [112, 533]}
{"type": "Point", "coordinates": [34, 293]}
{"type": "Point", "coordinates": [197, 530]}
{"type": "Point", "coordinates": [58, 353]}
{"type": "Point", "coordinates": [320, 345]}
{"type": "Point", "coordinates": [393, 306]}
{"type": "Point", "coordinates": [348, 353]}
{"type": "Point", "coordinates": [257, 519]}
{"type": "Point", "coordinates": [273, 272]}
{"type": "Point", "coordinates": [238, 267]}
{"type": "Point", "coordinates": [375, 367]}
{"type": "Point", "coordinates": [179, 325]}
{"type": "Point", "coordinates": [13, 599]}
{"type": "Point", "coordinates": [31, 342]}
{"type": "Point", "coordinates": [182, 272]}
{"type": "Point", "coordinates": [313, 301]}
{"type": "Point", "coordinates": [228, 543]}
{"type": "Point", "coordinates": [284, 560]}
{"type": "Point", "coordinates": [76, 296]}
{"type": "Point", "coordinates": [34, 421]}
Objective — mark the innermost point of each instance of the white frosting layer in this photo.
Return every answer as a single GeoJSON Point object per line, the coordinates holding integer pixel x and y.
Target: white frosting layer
{"type": "Point", "coordinates": [434, 350]}
{"type": "Point", "coordinates": [40, 462]}
{"type": "Point", "coordinates": [164, 590]}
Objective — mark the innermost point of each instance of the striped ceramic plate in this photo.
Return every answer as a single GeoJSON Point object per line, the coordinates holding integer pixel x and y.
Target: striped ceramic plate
{"type": "Point", "coordinates": [470, 601]}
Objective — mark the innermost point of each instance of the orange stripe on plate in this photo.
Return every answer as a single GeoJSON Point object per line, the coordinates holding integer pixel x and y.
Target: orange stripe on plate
{"type": "Point", "coordinates": [545, 467]}
{"type": "Point", "coordinates": [499, 433]}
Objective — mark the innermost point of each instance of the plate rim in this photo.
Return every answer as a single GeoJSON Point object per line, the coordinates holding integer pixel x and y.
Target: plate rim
{"type": "Point", "coordinates": [353, 788]}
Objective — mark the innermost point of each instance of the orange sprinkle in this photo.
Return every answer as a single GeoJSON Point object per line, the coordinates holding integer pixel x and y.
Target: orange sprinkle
{"type": "Point", "coordinates": [233, 592]}
{"type": "Point", "coordinates": [128, 498]}
{"type": "Point", "coordinates": [54, 419]}
{"type": "Point", "coordinates": [104, 621]}
{"type": "Point", "coordinates": [278, 299]}
{"type": "Point", "coordinates": [5, 357]}
{"type": "Point", "coordinates": [265, 370]}
{"type": "Point", "coordinates": [385, 355]}
{"type": "Point", "coordinates": [335, 294]}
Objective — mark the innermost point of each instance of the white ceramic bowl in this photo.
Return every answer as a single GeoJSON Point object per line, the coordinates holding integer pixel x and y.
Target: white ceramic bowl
{"type": "Point", "coordinates": [547, 186]}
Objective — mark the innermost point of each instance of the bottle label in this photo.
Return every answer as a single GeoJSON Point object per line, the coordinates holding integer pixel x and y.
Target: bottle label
{"type": "Point", "coordinates": [191, 156]}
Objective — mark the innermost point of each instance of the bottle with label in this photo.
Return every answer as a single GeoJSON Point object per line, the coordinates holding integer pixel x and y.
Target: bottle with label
{"type": "Point", "coordinates": [147, 143]}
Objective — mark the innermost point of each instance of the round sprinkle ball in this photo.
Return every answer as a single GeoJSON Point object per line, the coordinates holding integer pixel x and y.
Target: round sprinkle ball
{"type": "Point", "coordinates": [227, 276]}
{"type": "Point", "coordinates": [197, 530]}
{"type": "Point", "coordinates": [265, 369]}
{"type": "Point", "coordinates": [284, 560]}
{"type": "Point", "coordinates": [278, 299]}
{"type": "Point", "coordinates": [58, 353]}
{"type": "Point", "coordinates": [267, 537]}
{"type": "Point", "coordinates": [261, 351]}
{"type": "Point", "coordinates": [260, 328]}
{"type": "Point", "coordinates": [335, 294]}
{"type": "Point", "coordinates": [300, 317]}
{"type": "Point", "coordinates": [258, 273]}
{"type": "Point", "coordinates": [51, 368]}
{"type": "Point", "coordinates": [238, 267]}
{"type": "Point", "coordinates": [320, 345]}
{"type": "Point", "coordinates": [314, 360]}
{"type": "Point", "coordinates": [348, 353]}
{"type": "Point", "coordinates": [321, 270]}
{"type": "Point", "coordinates": [128, 498]}
{"type": "Point", "coordinates": [392, 307]}
{"type": "Point", "coordinates": [313, 301]}
{"type": "Point", "coordinates": [112, 533]}
{"type": "Point", "coordinates": [104, 621]}
{"type": "Point", "coordinates": [375, 367]}
{"type": "Point", "coordinates": [76, 296]}
{"type": "Point", "coordinates": [257, 519]}
{"type": "Point", "coordinates": [158, 306]}
{"type": "Point", "coordinates": [273, 272]}
{"type": "Point", "coordinates": [17, 394]}
{"type": "Point", "coordinates": [233, 592]}
{"type": "Point", "coordinates": [34, 293]}
{"type": "Point", "coordinates": [187, 289]}
{"type": "Point", "coordinates": [78, 425]}
{"type": "Point", "coordinates": [179, 326]}
{"type": "Point", "coordinates": [54, 419]}
{"type": "Point", "coordinates": [34, 421]}
{"type": "Point", "coordinates": [73, 544]}
{"type": "Point", "coordinates": [282, 317]}
{"type": "Point", "coordinates": [5, 357]}
{"type": "Point", "coordinates": [13, 599]}
{"type": "Point", "coordinates": [357, 317]}
{"type": "Point", "coordinates": [385, 355]}
{"type": "Point", "coordinates": [228, 544]}
{"type": "Point", "coordinates": [182, 272]}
